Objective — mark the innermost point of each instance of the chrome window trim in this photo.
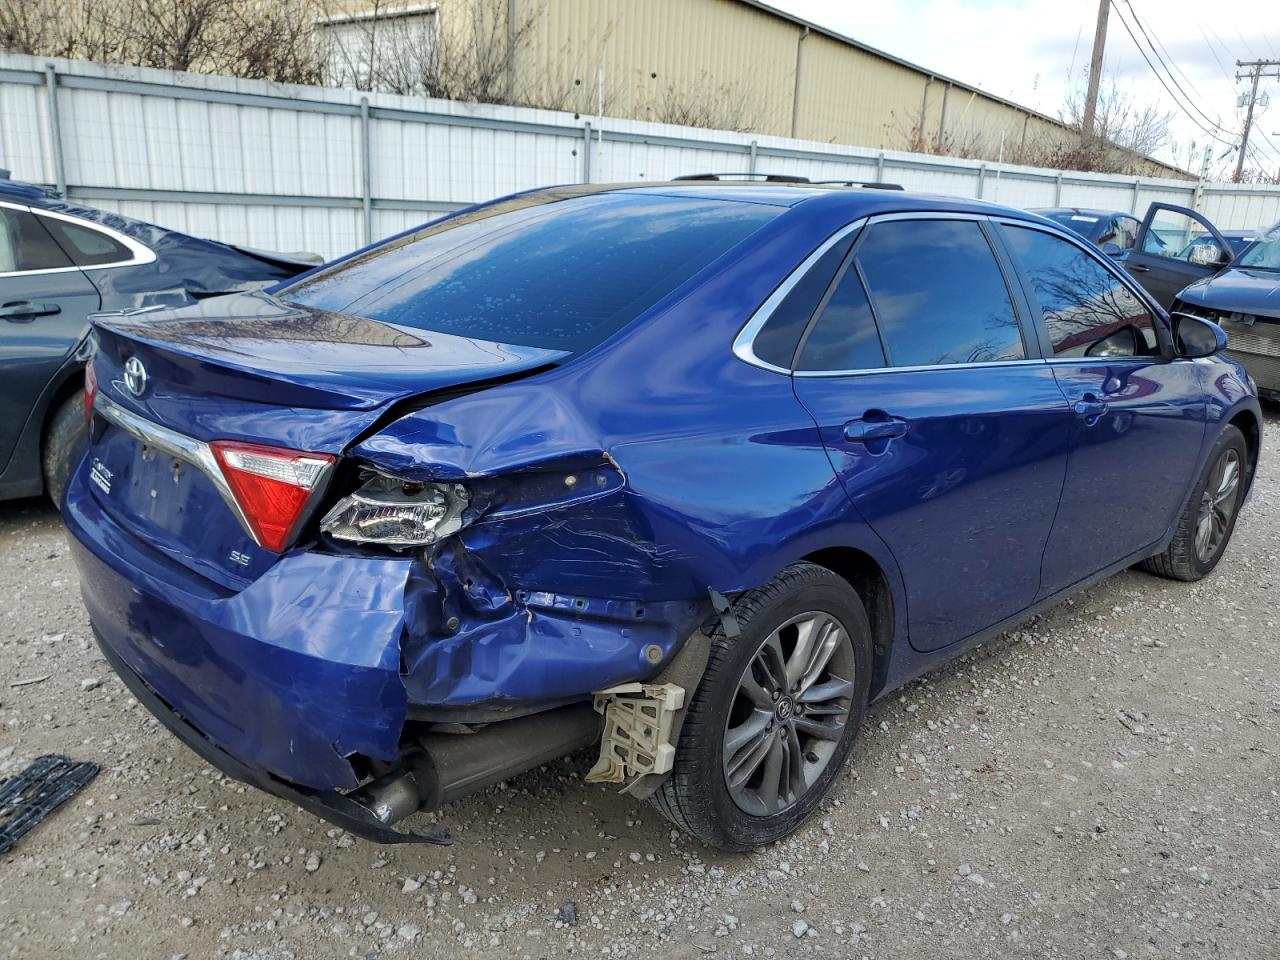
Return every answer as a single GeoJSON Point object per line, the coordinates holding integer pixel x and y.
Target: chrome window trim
{"type": "Point", "coordinates": [139, 253]}
{"type": "Point", "coordinates": [921, 368]}
{"type": "Point", "coordinates": [743, 343]}
{"type": "Point", "coordinates": [181, 447]}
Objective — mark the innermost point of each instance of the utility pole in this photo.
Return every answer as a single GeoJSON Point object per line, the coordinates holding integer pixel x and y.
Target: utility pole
{"type": "Point", "coordinates": [1257, 70]}
{"type": "Point", "coordinates": [1095, 70]}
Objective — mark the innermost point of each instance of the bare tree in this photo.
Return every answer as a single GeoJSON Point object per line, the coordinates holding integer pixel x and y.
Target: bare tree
{"type": "Point", "coordinates": [706, 103]}
{"type": "Point", "coordinates": [1125, 135]}
{"type": "Point", "coordinates": [240, 38]}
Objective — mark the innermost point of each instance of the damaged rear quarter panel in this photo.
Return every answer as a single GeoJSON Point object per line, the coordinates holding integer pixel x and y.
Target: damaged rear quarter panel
{"type": "Point", "coordinates": [724, 482]}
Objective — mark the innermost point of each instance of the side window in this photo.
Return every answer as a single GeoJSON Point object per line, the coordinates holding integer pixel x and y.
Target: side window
{"type": "Point", "coordinates": [1127, 232]}
{"type": "Point", "coordinates": [1110, 233]}
{"type": "Point", "coordinates": [938, 293]}
{"type": "Point", "coordinates": [88, 247]}
{"type": "Point", "coordinates": [776, 342]}
{"type": "Point", "coordinates": [1088, 311]}
{"type": "Point", "coordinates": [1174, 235]}
{"type": "Point", "coordinates": [845, 337]}
{"type": "Point", "coordinates": [26, 245]}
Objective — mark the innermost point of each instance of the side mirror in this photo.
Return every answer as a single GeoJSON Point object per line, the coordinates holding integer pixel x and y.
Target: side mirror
{"type": "Point", "coordinates": [1197, 337]}
{"type": "Point", "coordinates": [1206, 255]}
{"type": "Point", "coordinates": [1121, 343]}
{"type": "Point", "coordinates": [1112, 249]}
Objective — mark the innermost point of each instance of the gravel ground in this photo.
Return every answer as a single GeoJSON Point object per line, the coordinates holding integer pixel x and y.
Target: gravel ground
{"type": "Point", "coordinates": [1100, 783]}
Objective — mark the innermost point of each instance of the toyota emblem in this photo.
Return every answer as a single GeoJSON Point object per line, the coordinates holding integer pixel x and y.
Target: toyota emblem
{"type": "Point", "coordinates": [135, 376]}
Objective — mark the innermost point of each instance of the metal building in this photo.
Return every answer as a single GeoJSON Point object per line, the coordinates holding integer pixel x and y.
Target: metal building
{"type": "Point", "coordinates": [726, 64]}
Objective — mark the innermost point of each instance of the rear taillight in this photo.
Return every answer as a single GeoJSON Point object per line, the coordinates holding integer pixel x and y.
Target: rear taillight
{"type": "Point", "coordinates": [272, 486]}
{"type": "Point", "coordinates": [90, 391]}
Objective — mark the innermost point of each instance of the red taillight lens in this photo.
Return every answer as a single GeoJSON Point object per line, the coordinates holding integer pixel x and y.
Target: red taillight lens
{"type": "Point", "coordinates": [272, 486]}
{"type": "Point", "coordinates": [90, 391]}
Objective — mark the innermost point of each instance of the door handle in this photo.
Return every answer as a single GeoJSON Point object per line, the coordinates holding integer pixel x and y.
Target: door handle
{"type": "Point", "coordinates": [860, 431]}
{"type": "Point", "coordinates": [1137, 268]}
{"type": "Point", "coordinates": [1090, 406]}
{"type": "Point", "coordinates": [22, 311]}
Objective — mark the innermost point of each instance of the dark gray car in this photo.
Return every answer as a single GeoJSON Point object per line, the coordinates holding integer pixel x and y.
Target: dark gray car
{"type": "Point", "coordinates": [60, 262]}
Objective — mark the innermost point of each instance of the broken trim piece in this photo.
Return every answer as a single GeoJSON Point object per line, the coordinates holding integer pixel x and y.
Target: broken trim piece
{"type": "Point", "coordinates": [638, 722]}
{"type": "Point", "coordinates": [27, 798]}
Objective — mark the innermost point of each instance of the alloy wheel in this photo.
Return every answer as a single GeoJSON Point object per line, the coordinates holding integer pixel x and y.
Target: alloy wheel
{"type": "Point", "coordinates": [789, 713]}
{"type": "Point", "coordinates": [1218, 505]}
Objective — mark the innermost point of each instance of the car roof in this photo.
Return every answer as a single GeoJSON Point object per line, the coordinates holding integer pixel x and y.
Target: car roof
{"type": "Point", "coordinates": [1086, 211]}
{"type": "Point", "coordinates": [855, 202]}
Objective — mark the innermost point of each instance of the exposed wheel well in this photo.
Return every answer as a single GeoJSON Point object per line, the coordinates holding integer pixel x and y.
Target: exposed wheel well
{"type": "Point", "coordinates": [1247, 423]}
{"type": "Point", "coordinates": [68, 388]}
{"type": "Point", "coordinates": [862, 573]}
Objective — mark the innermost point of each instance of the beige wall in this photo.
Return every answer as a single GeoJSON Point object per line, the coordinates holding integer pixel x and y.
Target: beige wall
{"type": "Point", "coordinates": [732, 65]}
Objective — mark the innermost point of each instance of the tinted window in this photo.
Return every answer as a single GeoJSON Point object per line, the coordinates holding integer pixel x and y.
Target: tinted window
{"type": "Point", "coordinates": [845, 337]}
{"type": "Point", "coordinates": [776, 341]}
{"type": "Point", "coordinates": [87, 247]}
{"type": "Point", "coordinates": [1088, 311]}
{"type": "Point", "coordinates": [1080, 223]}
{"type": "Point", "coordinates": [26, 245]}
{"type": "Point", "coordinates": [1174, 235]}
{"type": "Point", "coordinates": [562, 275]}
{"type": "Point", "coordinates": [938, 293]}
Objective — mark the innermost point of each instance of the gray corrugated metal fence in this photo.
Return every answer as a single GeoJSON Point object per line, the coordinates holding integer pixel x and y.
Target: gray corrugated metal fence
{"type": "Point", "coordinates": [308, 168]}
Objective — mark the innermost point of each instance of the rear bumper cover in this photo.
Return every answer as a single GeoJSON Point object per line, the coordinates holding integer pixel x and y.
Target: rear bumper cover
{"type": "Point", "coordinates": [327, 804]}
{"type": "Point", "coordinates": [292, 675]}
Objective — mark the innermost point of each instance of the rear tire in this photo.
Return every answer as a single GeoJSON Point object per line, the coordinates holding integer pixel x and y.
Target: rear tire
{"type": "Point", "coordinates": [805, 726]}
{"type": "Point", "coordinates": [64, 445]}
{"type": "Point", "coordinates": [1209, 517]}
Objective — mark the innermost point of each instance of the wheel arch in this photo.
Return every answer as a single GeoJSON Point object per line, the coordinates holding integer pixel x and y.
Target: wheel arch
{"type": "Point", "coordinates": [1247, 422]}
{"type": "Point", "coordinates": [871, 582]}
{"type": "Point", "coordinates": [70, 381]}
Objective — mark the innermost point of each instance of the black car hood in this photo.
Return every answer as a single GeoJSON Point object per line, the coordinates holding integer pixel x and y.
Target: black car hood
{"type": "Point", "coordinates": [1237, 290]}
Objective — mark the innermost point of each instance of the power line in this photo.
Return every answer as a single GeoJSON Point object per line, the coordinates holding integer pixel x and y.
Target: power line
{"type": "Point", "coordinates": [1167, 59]}
{"type": "Point", "coordinates": [1160, 77]}
{"type": "Point", "coordinates": [1138, 23]}
{"type": "Point", "coordinates": [1256, 68]}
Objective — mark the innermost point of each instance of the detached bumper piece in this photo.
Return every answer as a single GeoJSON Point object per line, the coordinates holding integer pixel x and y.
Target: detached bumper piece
{"type": "Point", "coordinates": [639, 721]}
{"type": "Point", "coordinates": [337, 808]}
{"type": "Point", "coordinates": [25, 800]}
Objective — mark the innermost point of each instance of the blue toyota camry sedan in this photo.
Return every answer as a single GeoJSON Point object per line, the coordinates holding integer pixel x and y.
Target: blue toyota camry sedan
{"type": "Point", "coordinates": [687, 473]}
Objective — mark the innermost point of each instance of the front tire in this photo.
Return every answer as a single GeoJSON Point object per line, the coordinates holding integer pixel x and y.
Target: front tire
{"type": "Point", "coordinates": [775, 714]}
{"type": "Point", "coordinates": [64, 445]}
{"type": "Point", "coordinates": [1209, 518]}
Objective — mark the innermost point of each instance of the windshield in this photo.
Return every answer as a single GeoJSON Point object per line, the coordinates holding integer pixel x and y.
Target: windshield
{"type": "Point", "coordinates": [1265, 254]}
{"type": "Point", "coordinates": [562, 275]}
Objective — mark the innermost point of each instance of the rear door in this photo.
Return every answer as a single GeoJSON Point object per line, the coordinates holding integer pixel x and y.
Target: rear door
{"type": "Point", "coordinates": [1174, 247]}
{"type": "Point", "coordinates": [45, 301]}
{"type": "Point", "coordinates": [1138, 414]}
{"type": "Point", "coordinates": [947, 430]}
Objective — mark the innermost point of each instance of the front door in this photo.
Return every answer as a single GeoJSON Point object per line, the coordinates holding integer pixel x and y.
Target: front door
{"type": "Point", "coordinates": [1175, 246]}
{"type": "Point", "coordinates": [45, 303]}
{"type": "Point", "coordinates": [949, 436]}
{"type": "Point", "coordinates": [1138, 416]}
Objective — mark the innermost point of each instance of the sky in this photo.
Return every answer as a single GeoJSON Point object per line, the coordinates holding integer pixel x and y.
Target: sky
{"type": "Point", "coordinates": [1034, 51]}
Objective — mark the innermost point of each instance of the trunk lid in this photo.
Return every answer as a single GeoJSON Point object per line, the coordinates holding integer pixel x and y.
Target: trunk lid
{"type": "Point", "coordinates": [252, 369]}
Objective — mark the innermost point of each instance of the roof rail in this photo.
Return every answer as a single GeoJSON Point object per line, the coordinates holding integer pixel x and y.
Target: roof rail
{"type": "Point", "coordinates": [867, 184]}
{"type": "Point", "coordinates": [766, 177]}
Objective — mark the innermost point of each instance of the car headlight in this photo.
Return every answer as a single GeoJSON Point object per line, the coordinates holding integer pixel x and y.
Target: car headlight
{"type": "Point", "coordinates": [392, 512]}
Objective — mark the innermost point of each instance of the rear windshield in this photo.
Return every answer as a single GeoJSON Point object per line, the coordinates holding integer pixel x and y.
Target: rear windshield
{"type": "Point", "coordinates": [562, 275]}
{"type": "Point", "coordinates": [1081, 223]}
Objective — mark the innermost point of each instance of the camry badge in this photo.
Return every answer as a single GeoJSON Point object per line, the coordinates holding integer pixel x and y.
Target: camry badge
{"type": "Point", "coordinates": [135, 376]}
